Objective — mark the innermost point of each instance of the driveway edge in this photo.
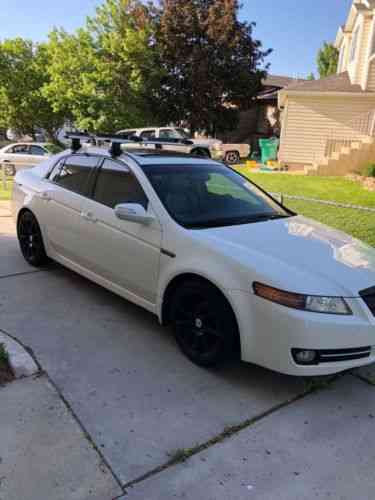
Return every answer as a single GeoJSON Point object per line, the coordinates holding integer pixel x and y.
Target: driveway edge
{"type": "Point", "coordinates": [20, 360]}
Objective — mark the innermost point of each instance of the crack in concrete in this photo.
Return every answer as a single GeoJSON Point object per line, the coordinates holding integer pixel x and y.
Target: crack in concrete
{"type": "Point", "coordinates": [87, 435]}
{"type": "Point", "coordinates": [85, 432]}
{"type": "Point", "coordinates": [227, 433]}
{"type": "Point", "coordinates": [185, 454]}
{"type": "Point", "coordinates": [25, 273]}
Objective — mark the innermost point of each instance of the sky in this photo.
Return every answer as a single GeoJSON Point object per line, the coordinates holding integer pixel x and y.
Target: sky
{"type": "Point", "coordinates": [294, 29]}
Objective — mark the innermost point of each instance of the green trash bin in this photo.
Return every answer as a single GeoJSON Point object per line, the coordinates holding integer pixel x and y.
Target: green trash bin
{"type": "Point", "coordinates": [269, 149]}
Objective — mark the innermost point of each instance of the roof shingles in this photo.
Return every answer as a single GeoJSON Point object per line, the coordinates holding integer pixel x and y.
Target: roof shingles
{"type": "Point", "coordinates": [334, 83]}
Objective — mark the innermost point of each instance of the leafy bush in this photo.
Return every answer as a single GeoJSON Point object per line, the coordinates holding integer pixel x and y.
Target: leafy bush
{"type": "Point", "coordinates": [369, 170]}
{"type": "Point", "coordinates": [3, 354]}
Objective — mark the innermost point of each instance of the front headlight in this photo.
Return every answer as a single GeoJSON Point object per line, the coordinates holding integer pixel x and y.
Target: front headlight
{"type": "Point", "coordinates": [312, 303]}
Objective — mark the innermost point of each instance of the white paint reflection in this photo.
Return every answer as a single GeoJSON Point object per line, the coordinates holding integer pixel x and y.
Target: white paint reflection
{"type": "Point", "coordinates": [345, 249]}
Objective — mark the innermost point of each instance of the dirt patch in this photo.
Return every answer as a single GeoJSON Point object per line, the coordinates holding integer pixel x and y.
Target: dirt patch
{"type": "Point", "coordinates": [6, 374]}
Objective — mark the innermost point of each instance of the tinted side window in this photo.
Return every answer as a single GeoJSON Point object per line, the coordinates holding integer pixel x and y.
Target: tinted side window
{"type": "Point", "coordinates": [115, 185]}
{"type": "Point", "coordinates": [74, 173]}
{"type": "Point", "coordinates": [148, 134]}
{"type": "Point", "coordinates": [167, 134]}
{"type": "Point", "coordinates": [127, 134]}
{"type": "Point", "coordinates": [20, 149]}
{"type": "Point", "coordinates": [56, 170]}
{"type": "Point", "coordinates": [37, 150]}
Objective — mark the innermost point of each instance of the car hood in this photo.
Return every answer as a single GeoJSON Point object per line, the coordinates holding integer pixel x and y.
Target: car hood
{"type": "Point", "coordinates": [300, 254]}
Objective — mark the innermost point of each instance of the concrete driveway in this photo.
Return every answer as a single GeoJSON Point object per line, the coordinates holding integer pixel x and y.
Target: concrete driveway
{"type": "Point", "coordinates": [251, 433]}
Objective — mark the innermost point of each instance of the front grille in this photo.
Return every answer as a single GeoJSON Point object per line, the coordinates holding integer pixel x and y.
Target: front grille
{"type": "Point", "coordinates": [333, 355]}
{"type": "Point", "coordinates": [369, 297]}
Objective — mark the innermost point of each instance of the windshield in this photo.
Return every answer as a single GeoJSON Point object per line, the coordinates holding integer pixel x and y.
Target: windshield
{"type": "Point", "coordinates": [199, 196]}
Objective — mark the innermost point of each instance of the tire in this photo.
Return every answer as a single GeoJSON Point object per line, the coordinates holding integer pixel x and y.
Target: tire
{"type": "Point", "coordinates": [232, 157]}
{"type": "Point", "coordinates": [31, 240]}
{"type": "Point", "coordinates": [202, 152]}
{"type": "Point", "coordinates": [204, 324]}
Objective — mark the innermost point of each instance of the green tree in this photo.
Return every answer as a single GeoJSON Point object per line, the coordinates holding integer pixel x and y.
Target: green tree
{"type": "Point", "coordinates": [102, 73]}
{"type": "Point", "coordinates": [23, 106]}
{"type": "Point", "coordinates": [210, 63]}
{"type": "Point", "coordinates": [311, 76]}
{"type": "Point", "coordinates": [328, 58]}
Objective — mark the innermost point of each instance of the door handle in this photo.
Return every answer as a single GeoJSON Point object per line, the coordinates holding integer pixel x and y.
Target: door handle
{"type": "Point", "coordinates": [88, 216]}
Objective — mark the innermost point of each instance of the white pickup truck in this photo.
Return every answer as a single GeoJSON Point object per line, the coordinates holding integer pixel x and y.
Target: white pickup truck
{"type": "Point", "coordinates": [214, 148]}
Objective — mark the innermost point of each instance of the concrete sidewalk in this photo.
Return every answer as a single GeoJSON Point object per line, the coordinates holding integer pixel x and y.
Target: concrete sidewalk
{"type": "Point", "coordinates": [44, 454]}
{"type": "Point", "coordinates": [125, 403]}
{"type": "Point", "coordinates": [320, 447]}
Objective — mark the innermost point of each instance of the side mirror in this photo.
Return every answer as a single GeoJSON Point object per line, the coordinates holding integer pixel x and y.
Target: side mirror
{"type": "Point", "coordinates": [133, 212]}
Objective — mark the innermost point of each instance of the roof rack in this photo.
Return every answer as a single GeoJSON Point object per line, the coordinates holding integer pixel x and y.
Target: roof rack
{"type": "Point", "coordinates": [117, 141]}
{"type": "Point", "coordinates": [76, 138]}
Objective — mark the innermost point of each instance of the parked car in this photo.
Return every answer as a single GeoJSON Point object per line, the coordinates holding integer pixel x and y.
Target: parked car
{"type": "Point", "coordinates": [176, 140]}
{"type": "Point", "coordinates": [207, 251]}
{"type": "Point", "coordinates": [25, 155]}
{"type": "Point", "coordinates": [231, 153]}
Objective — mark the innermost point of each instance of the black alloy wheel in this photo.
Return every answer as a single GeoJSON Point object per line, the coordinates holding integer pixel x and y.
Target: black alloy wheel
{"type": "Point", "coordinates": [204, 324]}
{"type": "Point", "coordinates": [232, 157]}
{"type": "Point", "coordinates": [30, 240]}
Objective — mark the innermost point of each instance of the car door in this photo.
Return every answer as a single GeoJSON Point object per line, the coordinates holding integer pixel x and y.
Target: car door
{"type": "Point", "coordinates": [36, 154]}
{"type": "Point", "coordinates": [168, 134]}
{"type": "Point", "coordinates": [148, 135]}
{"type": "Point", "coordinates": [63, 199]}
{"type": "Point", "coordinates": [17, 156]}
{"type": "Point", "coordinates": [124, 253]}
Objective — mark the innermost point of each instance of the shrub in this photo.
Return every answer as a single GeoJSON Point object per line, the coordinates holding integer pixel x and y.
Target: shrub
{"type": "Point", "coordinates": [3, 354]}
{"type": "Point", "coordinates": [369, 170]}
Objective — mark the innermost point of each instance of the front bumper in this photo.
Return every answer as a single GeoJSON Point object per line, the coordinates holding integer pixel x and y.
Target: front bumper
{"type": "Point", "coordinates": [269, 333]}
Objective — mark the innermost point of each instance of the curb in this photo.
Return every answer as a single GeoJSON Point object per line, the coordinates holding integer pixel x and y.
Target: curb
{"type": "Point", "coordinates": [21, 362]}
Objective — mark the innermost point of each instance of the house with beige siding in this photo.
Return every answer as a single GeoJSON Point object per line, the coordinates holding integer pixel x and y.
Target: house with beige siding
{"type": "Point", "coordinates": [328, 125]}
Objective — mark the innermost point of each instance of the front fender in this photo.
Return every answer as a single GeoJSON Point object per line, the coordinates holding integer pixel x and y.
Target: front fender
{"type": "Point", "coordinates": [222, 277]}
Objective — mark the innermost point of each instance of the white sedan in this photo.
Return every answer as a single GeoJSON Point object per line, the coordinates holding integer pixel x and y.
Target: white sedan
{"type": "Point", "coordinates": [25, 154]}
{"type": "Point", "coordinates": [207, 251]}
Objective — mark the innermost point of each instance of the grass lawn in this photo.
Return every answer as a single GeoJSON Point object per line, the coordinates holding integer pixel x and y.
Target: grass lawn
{"type": "Point", "coordinates": [323, 188]}
{"type": "Point", "coordinates": [5, 195]}
{"type": "Point", "coordinates": [359, 224]}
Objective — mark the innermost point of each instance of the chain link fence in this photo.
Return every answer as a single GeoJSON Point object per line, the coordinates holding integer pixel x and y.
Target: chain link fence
{"type": "Point", "coordinates": [281, 197]}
